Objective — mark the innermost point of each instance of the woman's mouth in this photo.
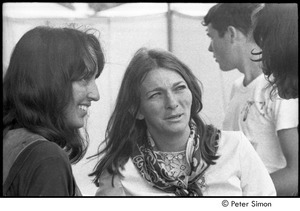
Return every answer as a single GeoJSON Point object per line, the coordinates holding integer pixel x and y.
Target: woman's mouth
{"type": "Point", "coordinates": [174, 117]}
{"type": "Point", "coordinates": [83, 107]}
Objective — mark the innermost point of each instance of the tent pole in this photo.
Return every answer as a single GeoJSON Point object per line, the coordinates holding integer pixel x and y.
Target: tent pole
{"type": "Point", "coordinates": [169, 28]}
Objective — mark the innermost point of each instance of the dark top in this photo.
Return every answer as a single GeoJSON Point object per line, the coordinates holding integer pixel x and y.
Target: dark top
{"type": "Point", "coordinates": [41, 169]}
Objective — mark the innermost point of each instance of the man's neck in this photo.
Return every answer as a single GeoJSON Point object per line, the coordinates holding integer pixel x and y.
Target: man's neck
{"type": "Point", "coordinates": [250, 69]}
{"type": "Point", "coordinates": [251, 73]}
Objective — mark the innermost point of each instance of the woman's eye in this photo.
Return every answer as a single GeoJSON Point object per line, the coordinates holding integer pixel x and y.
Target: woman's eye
{"type": "Point", "coordinates": [154, 95]}
{"type": "Point", "coordinates": [181, 87]}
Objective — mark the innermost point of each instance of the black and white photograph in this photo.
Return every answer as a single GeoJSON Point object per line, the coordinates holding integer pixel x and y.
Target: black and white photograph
{"type": "Point", "coordinates": [151, 100]}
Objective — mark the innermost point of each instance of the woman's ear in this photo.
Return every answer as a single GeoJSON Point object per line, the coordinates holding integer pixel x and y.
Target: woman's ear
{"type": "Point", "coordinates": [140, 116]}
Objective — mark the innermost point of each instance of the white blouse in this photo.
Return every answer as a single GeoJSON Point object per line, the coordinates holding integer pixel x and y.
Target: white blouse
{"type": "Point", "coordinates": [238, 172]}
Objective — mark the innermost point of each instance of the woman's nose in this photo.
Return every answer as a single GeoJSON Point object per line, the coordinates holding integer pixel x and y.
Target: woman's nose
{"type": "Point", "coordinates": [171, 101]}
{"type": "Point", "coordinates": [93, 92]}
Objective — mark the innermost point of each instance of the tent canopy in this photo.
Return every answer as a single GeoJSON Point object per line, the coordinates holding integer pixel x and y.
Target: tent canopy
{"type": "Point", "coordinates": [38, 10]}
{"type": "Point", "coordinates": [192, 9]}
{"type": "Point", "coordinates": [139, 9]}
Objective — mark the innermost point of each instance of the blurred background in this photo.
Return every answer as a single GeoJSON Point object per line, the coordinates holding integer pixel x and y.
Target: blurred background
{"type": "Point", "coordinates": [124, 28]}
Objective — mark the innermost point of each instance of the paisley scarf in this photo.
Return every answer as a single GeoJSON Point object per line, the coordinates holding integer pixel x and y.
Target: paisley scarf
{"type": "Point", "coordinates": [149, 164]}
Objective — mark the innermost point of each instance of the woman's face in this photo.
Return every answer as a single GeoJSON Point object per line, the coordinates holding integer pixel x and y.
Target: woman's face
{"type": "Point", "coordinates": [166, 102]}
{"type": "Point", "coordinates": [84, 91]}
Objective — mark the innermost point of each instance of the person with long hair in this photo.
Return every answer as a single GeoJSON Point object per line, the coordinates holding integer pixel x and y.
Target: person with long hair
{"type": "Point", "coordinates": [276, 33]}
{"type": "Point", "coordinates": [47, 90]}
{"type": "Point", "coordinates": [269, 122]}
{"type": "Point", "coordinates": [156, 143]}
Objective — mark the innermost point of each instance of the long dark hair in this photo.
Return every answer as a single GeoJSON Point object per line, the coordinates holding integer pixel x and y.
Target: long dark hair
{"type": "Point", "coordinates": [37, 86]}
{"type": "Point", "coordinates": [276, 33]}
{"type": "Point", "coordinates": [124, 130]}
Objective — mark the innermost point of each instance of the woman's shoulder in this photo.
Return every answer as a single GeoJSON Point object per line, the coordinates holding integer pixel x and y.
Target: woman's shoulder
{"type": "Point", "coordinates": [25, 141]}
{"type": "Point", "coordinates": [231, 136]}
{"type": "Point", "coordinates": [235, 144]}
{"type": "Point", "coordinates": [48, 149]}
{"type": "Point", "coordinates": [231, 141]}
{"type": "Point", "coordinates": [42, 160]}
{"type": "Point", "coordinates": [24, 145]}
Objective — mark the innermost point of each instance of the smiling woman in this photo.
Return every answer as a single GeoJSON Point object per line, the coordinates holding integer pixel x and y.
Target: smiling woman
{"type": "Point", "coordinates": [47, 89]}
{"type": "Point", "coordinates": [157, 145]}
{"type": "Point", "coordinates": [84, 91]}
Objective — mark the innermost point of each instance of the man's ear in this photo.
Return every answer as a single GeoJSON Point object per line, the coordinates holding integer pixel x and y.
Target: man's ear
{"type": "Point", "coordinates": [233, 33]}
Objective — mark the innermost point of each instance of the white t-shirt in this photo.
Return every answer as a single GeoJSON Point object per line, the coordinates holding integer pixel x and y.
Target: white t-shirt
{"type": "Point", "coordinates": [238, 172]}
{"type": "Point", "coordinates": [252, 111]}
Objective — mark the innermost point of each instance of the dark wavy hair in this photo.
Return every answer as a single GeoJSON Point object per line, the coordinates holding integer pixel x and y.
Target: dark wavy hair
{"type": "Point", "coordinates": [124, 130]}
{"type": "Point", "coordinates": [37, 86]}
{"type": "Point", "coordinates": [238, 15]}
{"type": "Point", "coordinates": [276, 33]}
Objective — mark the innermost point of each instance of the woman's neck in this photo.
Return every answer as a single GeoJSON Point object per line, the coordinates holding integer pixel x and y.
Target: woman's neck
{"type": "Point", "coordinates": [171, 142]}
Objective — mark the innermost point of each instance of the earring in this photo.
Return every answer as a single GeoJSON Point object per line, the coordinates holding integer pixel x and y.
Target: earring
{"type": "Point", "coordinates": [140, 116]}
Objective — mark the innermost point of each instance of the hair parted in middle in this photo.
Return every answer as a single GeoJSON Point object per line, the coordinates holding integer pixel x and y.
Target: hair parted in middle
{"type": "Point", "coordinates": [38, 83]}
{"type": "Point", "coordinates": [124, 130]}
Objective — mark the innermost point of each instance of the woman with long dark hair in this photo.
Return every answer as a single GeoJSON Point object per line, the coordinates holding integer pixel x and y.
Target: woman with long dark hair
{"type": "Point", "coordinates": [47, 89]}
{"type": "Point", "coordinates": [157, 144]}
{"type": "Point", "coordinates": [276, 33]}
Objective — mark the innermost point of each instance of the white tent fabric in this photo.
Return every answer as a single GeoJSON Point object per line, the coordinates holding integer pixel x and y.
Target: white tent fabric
{"type": "Point", "coordinates": [38, 10]}
{"type": "Point", "coordinates": [138, 9]}
{"type": "Point", "coordinates": [134, 9]}
{"type": "Point", "coordinates": [83, 9]}
{"type": "Point", "coordinates": [192, 9]}
{"type": "Point", "coordinates": [120, 38]}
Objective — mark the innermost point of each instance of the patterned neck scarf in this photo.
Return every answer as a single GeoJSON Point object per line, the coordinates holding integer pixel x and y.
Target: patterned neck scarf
{"type": "Point", "coordinates": [149, 164]}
